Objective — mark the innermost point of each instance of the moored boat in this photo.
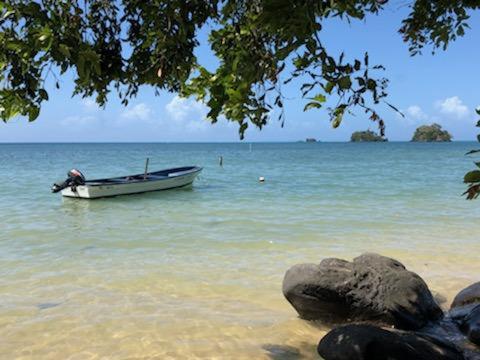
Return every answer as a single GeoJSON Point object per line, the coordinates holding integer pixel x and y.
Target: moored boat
{"type": "Point", "coordinates": [77, 186]}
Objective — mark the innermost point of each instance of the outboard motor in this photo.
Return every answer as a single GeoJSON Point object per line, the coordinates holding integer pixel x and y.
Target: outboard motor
{"type": "Point", "coordinates": [74, 178]}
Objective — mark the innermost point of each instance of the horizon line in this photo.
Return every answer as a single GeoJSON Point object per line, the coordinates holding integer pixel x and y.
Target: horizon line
{"type": "Point", "coordinates": [225, 142]}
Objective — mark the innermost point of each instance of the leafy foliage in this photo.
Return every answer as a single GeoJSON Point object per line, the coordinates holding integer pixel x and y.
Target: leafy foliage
{"type": "Point", "coordinates": [472, 178]}
{"type": "Point", "coordinates": [261, 45]}
{"type": "Point", "coordinates": [366, 136]}
{"type": "Point", "coordinates": [436, 23]}
{"type": "Point", "coordinates": [431, 133]}
{"type": "Point", "coordinates": [104, 43]}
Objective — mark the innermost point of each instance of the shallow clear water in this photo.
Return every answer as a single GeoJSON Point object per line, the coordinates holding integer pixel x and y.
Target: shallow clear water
{"type": "Point", "coordinates": [197, 273]}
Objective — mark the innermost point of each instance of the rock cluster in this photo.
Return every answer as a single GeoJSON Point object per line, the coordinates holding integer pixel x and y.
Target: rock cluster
{"type": "Point", "coordinates": [380, 310]}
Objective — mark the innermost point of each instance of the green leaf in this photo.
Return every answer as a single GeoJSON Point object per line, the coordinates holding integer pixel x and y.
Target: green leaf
{"type": "Point", "coordinates": [65, 50]}
{"type": "Point", "coordinates": [97, 68]}
{"type": "Point", "coordinates": [477, 110]}
{"type": "Point", "coordinates": [7, 14]}
{"type": "Point", "coordinates": [337, 120]}
{"type": "Point", "coordinates": [371, 84]}
{"type": "Point", "coordinates": [81, 66]}
{"type": "Point", "coordinates": [395, 108]}
{"type": "Point", "coordinates": [311, 105]}
{"type": "Point", "coordinates": [242, 129]}
{"type": "Point", "coordinates": [46, 37]}
{"type": "Point", "coordinates": [345, 83]}
{"type": "Point", "coordinates": [33, 113]}
{"type": "Point", "coordinates": [329, 87]}
{"type": "Point", "coordinates": [13, 45]}
{"type": "Point", "coordinates": [357, 65]}
{"type": "Point", "coordinates": [319, 98]}
{"type": "Point", "coordinates": [339, 111]}
{"type": "Point", "coordinates": [43, 94]}
{"type": "Point", "coordinates": [472, 176]}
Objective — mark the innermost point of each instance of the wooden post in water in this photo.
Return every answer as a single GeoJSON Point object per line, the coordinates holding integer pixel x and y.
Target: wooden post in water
{"type": "Point", "coordinates": [146, 169]}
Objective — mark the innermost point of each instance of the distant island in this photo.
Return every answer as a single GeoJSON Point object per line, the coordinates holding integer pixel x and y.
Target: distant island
{"type": "Point", "coordinates": [366, 136]}
{"type": "Point", "coordinates": [431, 133]}
{"type": "Point", "coordinates": [310, 140]}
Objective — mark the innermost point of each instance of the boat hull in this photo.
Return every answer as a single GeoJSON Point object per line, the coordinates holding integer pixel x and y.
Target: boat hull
{"type": "Point", "coordinates": [98, 190]}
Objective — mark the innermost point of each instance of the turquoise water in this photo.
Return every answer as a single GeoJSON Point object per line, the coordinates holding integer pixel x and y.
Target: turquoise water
{"type": "Point", "coordinates": [197, 272]}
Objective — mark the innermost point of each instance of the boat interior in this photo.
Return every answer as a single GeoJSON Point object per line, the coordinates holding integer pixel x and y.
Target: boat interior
{"type": "Point", "coordinates": [152, 176]}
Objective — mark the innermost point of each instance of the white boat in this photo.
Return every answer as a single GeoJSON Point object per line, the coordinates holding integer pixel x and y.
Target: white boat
{"type": "Point", "coordinates": [77, 187]}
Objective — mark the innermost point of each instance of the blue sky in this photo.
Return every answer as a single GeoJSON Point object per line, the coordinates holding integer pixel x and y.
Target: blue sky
{"type": "Point", "coordinates": [442, 88]}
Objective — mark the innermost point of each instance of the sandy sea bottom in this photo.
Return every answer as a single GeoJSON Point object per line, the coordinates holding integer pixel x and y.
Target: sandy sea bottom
{"type": "Point", "coordinates": [197, 273]}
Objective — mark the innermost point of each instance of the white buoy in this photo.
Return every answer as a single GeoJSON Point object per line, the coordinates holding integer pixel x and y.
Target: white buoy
{"type": "Point", "coordinates": [261, 179]}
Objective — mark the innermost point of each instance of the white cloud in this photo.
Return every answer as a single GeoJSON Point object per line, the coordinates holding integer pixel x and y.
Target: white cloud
{"type": "Point", "coordinates": [188, 113]}
{"type": "Point", "coordinates": [138, 112]}
{"type": "Point", "coordinates": [453, 106]}
{"type": "Point", "coordinates": [181, 108]}
{"type": "Point", "coordinates": [415, 112]}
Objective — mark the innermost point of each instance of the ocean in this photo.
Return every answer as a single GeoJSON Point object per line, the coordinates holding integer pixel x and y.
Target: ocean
{"type": "Point", "coordinates": [197, 272]}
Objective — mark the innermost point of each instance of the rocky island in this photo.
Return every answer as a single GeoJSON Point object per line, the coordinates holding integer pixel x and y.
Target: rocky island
{"type": "Point", "coordinates": [431, 133]}
{"type": "Point", "coordinates": [366, 136]}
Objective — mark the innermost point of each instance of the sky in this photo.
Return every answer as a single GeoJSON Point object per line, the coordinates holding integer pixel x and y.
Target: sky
{"type": "Point", "coordinates": [443, 88]}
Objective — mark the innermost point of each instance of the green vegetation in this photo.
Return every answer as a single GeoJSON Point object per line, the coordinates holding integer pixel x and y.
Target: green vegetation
{"type": "Point", "coordinates": [472, 178]}
{"type": "Point", "coordinates": [431, 133]}
{"type": "Point", "coordinates": [261, 46]}
{"type": "Point", "coordinates": [367, 136]}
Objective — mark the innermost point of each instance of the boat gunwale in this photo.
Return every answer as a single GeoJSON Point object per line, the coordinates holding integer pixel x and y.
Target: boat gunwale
{"type": "Point", "coordinates": [103, 182]}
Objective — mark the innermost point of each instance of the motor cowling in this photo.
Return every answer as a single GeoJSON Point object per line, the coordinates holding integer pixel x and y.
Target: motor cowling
{"type": "Point", "coordinates": [74, 178]}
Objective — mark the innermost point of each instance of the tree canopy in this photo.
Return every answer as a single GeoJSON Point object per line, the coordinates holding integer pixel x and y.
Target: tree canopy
{"type": "Point", "coordinates": [431, 133]}
{"type": "Point", "coordinates": [366, 136]}
{"type": "Point", "coordinates": [260, 45]}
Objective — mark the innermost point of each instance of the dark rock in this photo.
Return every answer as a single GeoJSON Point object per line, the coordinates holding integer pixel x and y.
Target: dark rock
{"type": "Point", "coordinates": [367, 342]}
{"type": "Point", "coordinates": [371, 288]}
{"type": "Point", "coordinates": [465, 311]}
{"type": "Point", "coordinates": [467, 296]}
{"type": "Point", "coordinates": [467, 318]}
{"type": "Point", "coordinates": [471, 325]}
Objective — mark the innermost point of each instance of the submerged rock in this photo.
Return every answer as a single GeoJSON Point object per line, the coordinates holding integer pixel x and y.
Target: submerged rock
{"type": "Point", "coordinates": [367, 342]}
{"type": "Point", "coordinates": [371, 288]}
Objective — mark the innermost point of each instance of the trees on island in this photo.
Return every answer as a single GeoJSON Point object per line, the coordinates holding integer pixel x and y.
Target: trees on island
{"type": "Point", "coordinates": [424, 133]}
{"type": "Point", "coordinates": [366, 136]}
{"type": "Point", "coordinates": [261, 46]}
{"type": "Point", "coordinates": [431, 133]}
